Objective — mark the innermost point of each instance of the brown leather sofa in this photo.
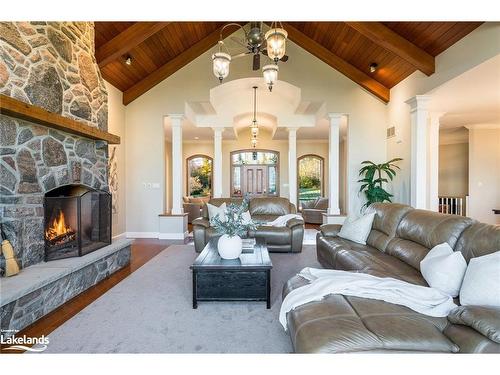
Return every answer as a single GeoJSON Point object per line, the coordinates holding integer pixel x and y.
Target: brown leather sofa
{"type": "Point", "coordinates": [400, 238]}
{"type": "Point", "coordinates": [313, 211]}
{"type": "Point", "coordinates": [279, 239]}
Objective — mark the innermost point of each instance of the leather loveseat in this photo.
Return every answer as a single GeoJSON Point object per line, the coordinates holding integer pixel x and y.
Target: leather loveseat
{"type": "Point", "coordinates": [400, 238]}
{"type": "Point", "coordinates": [312, 211]}
{"type": "Point", "coordinates": [279, 239]}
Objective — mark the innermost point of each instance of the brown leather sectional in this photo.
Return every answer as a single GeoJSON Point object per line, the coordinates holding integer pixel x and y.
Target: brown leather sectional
{"type": "Point", "coordinates": [278, 239]}
{"type": "Point", "coordinates": [400, 238]}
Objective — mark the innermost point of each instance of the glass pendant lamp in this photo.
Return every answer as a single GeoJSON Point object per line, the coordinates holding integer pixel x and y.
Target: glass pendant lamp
{"type": "Point", "coordinates": [270, 73]}
{"type": "Point", "coordinates": [276, 42]}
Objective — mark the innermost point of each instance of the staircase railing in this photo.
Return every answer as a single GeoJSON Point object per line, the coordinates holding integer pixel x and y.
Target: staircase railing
{"type": "Point", "coordinates": [453, 205]}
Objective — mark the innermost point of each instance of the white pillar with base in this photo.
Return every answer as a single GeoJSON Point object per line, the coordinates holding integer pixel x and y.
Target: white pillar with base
{"type": "Point", "coordinates": [292, 165]}
{"type": "Point", "coordinates": [217, 183]}
{"type": "Point", "coordinates": [419, 117]}
{"type": "Point", "coordinates": [433, 197]}
{"type": "Point", "coordinates": [174, 225]}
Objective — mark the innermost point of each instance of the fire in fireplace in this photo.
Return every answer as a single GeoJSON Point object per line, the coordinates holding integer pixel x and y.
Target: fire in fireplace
{"type": "Point", "coordinates": [77, 221]}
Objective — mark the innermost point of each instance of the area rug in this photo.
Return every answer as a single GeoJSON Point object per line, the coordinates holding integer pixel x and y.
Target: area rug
{"type": "Point", "coordinates": [151, 312]}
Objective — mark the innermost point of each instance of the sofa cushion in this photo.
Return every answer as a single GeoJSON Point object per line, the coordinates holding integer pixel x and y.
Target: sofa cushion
{"type": "Point", "coordinates": [273, 235]}
{"type": "Point", "coordinates": [485, 320]}
{"type": "Point", "coordinates": [357, 229]}
{"type": "Point", "coordinates": [387, 218]}
{"type": "Point", "coordinates": [269, 206]}
{"type": "Point", "coordinates": [479, 239]}
{"type": "Point", "coordinates": [421, 230]}
{"type": "Point", "coordinates": [340, 324]}
{"type": "Point", "coordinates": [321, 204]}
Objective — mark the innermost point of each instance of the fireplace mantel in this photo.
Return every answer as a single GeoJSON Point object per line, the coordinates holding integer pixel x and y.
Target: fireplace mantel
{"type": "Point", "coordinates": [16, 108]}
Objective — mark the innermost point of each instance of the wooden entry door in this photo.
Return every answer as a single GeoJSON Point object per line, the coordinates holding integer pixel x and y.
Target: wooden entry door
{"type": "Point", "coordinates": [254, 180]}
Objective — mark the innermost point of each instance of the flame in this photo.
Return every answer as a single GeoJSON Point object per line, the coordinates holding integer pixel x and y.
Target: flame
{"type": "Point", "coordinates": [58, 227]}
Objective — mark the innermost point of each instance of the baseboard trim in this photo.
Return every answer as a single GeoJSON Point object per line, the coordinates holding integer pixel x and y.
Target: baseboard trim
{"type": "Point", "coordinates": [173, 236]}
{"type": "Point", "coordinates": [142, 234]}
{"type": "Point", "coordinates": [120, 236]}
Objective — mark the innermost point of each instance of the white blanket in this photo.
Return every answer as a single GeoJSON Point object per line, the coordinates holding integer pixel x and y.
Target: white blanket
{"type": "Point", "coordinates": [422, 299]}
{"type": "Point", "coordinates": [282, 220]}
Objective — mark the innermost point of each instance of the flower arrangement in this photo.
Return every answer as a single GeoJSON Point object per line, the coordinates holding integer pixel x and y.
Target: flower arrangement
{"type": "Point", "coordinates": [235, 222]}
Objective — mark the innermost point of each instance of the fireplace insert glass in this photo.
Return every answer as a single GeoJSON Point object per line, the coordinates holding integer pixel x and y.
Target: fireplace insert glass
{"type": "Point", "coordinates": [77, 221]}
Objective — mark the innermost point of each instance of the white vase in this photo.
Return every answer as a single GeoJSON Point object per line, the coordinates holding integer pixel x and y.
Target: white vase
{"type": "Point", "coordinates": [229, 247]}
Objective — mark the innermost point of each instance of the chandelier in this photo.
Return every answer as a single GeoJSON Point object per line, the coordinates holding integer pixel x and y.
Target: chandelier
{"type": "Point", "coordinates": [272, 45]}
{"type": "Point", "coordinates": [254, 128]}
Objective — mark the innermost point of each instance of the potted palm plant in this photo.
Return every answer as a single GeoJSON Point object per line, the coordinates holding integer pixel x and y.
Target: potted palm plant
{"type": "Point", "coordinates": [234, 224]}
{"type": "Point", "coordinates": [374, 176]}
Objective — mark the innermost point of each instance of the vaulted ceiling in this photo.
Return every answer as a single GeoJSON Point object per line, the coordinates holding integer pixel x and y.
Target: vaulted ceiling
{"type": "Point", "coordinates": [159, 49]}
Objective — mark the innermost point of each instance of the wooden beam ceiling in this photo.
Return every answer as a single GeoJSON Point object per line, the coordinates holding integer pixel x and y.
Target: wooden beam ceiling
{"type": "Point", "coordinates": [337, 63]}
{"type": "Point", "coordinates": [172, 66]}
{"type": "Point", "coordinates": [127, 40]}
{"type": "Point", "coordinates": [395, 43]}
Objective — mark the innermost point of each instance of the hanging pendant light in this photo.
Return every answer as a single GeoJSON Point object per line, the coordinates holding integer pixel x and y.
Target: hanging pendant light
{"type": "Point", "coordinates": [276, 42]}
{"type": "Point", "coordinates": [254, 128]}
{"type": "Point", "coordinates": [221, 61]}
{"type": "Point", "coordinates": [270, 73]}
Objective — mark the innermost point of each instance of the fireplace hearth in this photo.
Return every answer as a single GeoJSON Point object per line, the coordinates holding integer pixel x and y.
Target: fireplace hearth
{"type": "Point", "coordinates": [77, 221]}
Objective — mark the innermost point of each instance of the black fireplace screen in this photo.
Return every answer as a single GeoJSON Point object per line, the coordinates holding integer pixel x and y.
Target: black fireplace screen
{"type": "Point", "coordinates": [77, 221]}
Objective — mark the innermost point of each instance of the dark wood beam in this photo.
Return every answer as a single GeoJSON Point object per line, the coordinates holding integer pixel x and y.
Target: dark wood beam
{"type": "Point", "coordinates": [338, 63]}
{"type": "Point", "coordinates": [127, 40]}
{"type": "Point", "coordinates": [173, 65]}
{"type": "Point", "coordinates": [395, 43]}
{"type": "Point", "coordinates": [16, 108]}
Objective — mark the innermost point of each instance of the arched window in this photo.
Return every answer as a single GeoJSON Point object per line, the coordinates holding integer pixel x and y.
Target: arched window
{"type": "Point", "coordinates": [310, 177]}
{"type": "Point", "coordinates": [199, 176]}
{"type": "Point", "coordinates": [254, 172]}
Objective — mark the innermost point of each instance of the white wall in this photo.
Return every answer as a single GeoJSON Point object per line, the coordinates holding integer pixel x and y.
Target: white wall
{"type": "Point", "coordinates": [319, 82]}
{"type": "Point", "coordinates": [477, 47]}
{"type": "Point", "coordinates": [116, 125]}
{"type": "Point", "coordinates": [454, 169]}
{"type": "Point", "coordinates": [484, 174]}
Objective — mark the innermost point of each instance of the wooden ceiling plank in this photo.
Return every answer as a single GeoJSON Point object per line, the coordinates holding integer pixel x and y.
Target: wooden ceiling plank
{"type": "Point", "coordinates": [337, 63]}
{"type": "Point", "coordinates": [127, 40]}
{"type": "Point", "coordinates": [395, 43]}
{"type": "Point", "coordinates": [172, 66]}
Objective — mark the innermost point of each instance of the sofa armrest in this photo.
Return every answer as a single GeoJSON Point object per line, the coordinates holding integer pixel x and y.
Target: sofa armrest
{"type": "Point", "coordinates": [330, 230]}
{"type": "Point", "coordinates": [483, 319]}
{"type": "Point", "coordinates": [294, 222]}
{"type": "Point", "coordinates": [201, 221]}
{"type": "Point", "coordinates": [308, 204]}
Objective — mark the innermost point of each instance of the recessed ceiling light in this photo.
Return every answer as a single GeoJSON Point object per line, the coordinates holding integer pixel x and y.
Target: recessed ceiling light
{"type": "Point", "coordinates": [196, 138]}
{"type": "Point", "coordinates": [373, 67]}
{"type": "Point", "coordinates": [128, 60]}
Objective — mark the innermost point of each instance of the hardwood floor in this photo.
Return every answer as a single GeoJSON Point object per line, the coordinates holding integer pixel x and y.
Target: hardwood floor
{"type": "Point", "coordinates": [142, 251]}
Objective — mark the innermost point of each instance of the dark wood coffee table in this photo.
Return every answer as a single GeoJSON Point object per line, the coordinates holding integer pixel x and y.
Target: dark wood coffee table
{"type": "Point", "coordinates": [247, 278]}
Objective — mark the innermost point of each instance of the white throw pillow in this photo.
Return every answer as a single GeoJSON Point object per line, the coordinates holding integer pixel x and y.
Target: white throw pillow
{"type": "Point", "coordinates": [481, 285]}
{"type": "Point", "coordinates": [247, 218]}
{"type": "Point", "coordinates": [357, 229]}
{"type": "Point", "coordinates": [214, 211]}
{"type": "Point", "coordinates": [444, 269]}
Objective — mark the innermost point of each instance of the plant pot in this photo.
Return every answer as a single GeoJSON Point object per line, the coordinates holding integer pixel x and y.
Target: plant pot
{"type": "Point", "coordinates": [229, 247]}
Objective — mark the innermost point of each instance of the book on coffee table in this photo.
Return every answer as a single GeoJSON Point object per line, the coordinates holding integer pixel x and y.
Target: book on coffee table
{"type": "Point", "coordinates": [248, 243]}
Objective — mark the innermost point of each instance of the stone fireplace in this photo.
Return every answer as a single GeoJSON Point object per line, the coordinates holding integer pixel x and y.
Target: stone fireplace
{"type": "Point", "coordinates": [50, 65]}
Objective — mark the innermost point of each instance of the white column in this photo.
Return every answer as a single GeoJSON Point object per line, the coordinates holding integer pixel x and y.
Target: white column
{"type": "Point", "coordinates": [334, 164]}
{"type": "Point", "coordinates": [433, 203]}
{"type": "Point", "coordinates": [292, 165]}
{"type": "Point", "coordinates": [217, 182]}
{"type": "Point", "coordinates": [419, 123]}
{"type": "Point", "coordinates": [177, 180]}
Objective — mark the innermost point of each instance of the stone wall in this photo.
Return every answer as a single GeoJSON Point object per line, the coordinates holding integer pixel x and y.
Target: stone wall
{"type": "Point", "coordinates": [52, 65]}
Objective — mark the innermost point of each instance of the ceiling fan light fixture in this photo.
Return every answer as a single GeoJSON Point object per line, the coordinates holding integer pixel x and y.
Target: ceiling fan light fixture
{"type": "Point", "coordinates": [128, 60]}
{"type": "Point", "coordinates": [221, 61]}
{"type": "Point", "coordinates": [270, 73]}
{"type": "Point", "coordinates": [276, 43]}
{"type": "Point", "coordinates": [373, 67]}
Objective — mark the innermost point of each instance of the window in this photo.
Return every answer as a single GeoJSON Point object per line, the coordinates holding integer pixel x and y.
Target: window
{"type": "Point", "coordinates": [199, 176]}
{"type": "Point", "coordinates": [254, 172]}
{"type": "Point", "coordinates": [310, 178]}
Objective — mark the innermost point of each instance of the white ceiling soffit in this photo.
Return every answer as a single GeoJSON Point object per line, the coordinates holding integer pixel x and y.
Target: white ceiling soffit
{"type": "Point", "coordinates": [231, 105]}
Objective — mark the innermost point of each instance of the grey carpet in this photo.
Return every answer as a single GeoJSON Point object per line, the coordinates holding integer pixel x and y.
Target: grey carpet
{"type": "Point", "coordinates": [151, 312]}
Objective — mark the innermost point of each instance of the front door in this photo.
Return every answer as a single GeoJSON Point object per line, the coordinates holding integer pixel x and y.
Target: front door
{"type": "Point", "coordinates": [254, 180]}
